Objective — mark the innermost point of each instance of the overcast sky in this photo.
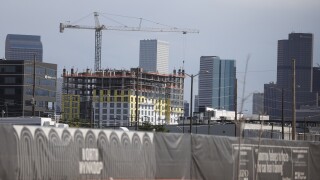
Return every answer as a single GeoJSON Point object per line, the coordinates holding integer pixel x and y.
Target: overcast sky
{"type": "Point", "coordinates": [231, 29]}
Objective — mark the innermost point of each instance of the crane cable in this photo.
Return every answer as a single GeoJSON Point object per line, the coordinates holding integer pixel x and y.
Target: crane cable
{"type": "Point", "coordinates": [184, 47]}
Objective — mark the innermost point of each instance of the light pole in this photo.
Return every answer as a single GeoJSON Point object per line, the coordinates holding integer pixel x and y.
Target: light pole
{"type": "Point", "coordinates": [293, 99]}
{"type": "Point", "coordinates": [34, 86]}
{"type": "Point", "coordinates": [182, 120]}
{"type": "Point", "coordinates": [137, 98]}
{"type": "Point", "coordinates": [282, 113]}
{"type": "Point", "coordinates": [191, 98]}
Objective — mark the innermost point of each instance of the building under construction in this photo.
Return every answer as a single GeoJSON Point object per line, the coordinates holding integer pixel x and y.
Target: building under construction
{"type": "Point", "coordinates": [122, 97]}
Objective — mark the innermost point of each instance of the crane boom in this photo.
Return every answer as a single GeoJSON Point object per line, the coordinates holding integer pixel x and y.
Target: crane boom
{"type": "Point", "coordinates": [98, 34]}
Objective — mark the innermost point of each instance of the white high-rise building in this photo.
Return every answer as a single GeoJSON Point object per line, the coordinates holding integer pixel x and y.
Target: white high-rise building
{"type": "Point", "coordinates": [154, 56]}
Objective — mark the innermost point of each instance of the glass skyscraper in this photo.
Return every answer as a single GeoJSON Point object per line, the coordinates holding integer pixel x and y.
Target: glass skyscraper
{"type": "Point", "coordinates": [154, 56]}
{"type": "Point", "coordinates": [23, 47]}
{"type": "Point", "coordinates": [217, 83]}
{"type": "Point", "coordinates": [298, 46]}
{"type": "Point", "coordinates": [257, 103]}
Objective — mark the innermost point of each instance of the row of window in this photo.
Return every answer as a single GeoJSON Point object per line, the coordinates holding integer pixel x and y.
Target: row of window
{"type": "Point", "coordinates": [41, 92]}
{"type": "Point", "coordinates": [112, 111]}
{"type": "Point", "coordinates": [124, 111]}
{"type": "Point", "coordinates": [125, 105]}
{"type": "Point", "coordinates": [112, 117]}
{"type": "Point", "coordinates": [41, 81]}
{"type": "Point", "coordinates": [49, 105]}
{"type": "Point", "coordinates": [41, 71]}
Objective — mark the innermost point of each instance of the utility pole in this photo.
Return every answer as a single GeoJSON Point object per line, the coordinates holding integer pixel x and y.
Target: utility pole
{"type": "Point", "coordinates": [293, 99]}
{"type": "Point", "coordinates": [235, 106]}
{"type": "Point", "coordinates": [34, 86]}
{"type": "Point", "coordinates": [137, 98]}
{"type": "Point", "coordinates": [191, 98]}
{"type": "Point", "coordinates": [282, 113]}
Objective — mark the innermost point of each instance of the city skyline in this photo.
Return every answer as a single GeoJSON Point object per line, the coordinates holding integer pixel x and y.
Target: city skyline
{"type": "Point", "coordinates": [233, 30]}
{"type": "Point", "coordinates": [297, 50]}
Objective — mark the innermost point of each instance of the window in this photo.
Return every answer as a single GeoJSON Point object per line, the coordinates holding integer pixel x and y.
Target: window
{"type": "Point", "coordinates": [125, 99]}
{"type": "Point", "coordinates": [96, 117]}
{"type": "Point", "coordinates": [9, 80]}
{"type": "Point", "coordinates": [118, 105]}
{"type": "Point", "coordinates": [105, 105]}
{"type": "Point", "coordinates": [9, 91]}
{"type": "Point", "coordinates": [104, 117]}
{"type": "Point", "coordinates": [112, 105]}
{"type": "Point", "coordinates": [97, 104]}
{"type": "Point", "coordinates": [125, 111]}
{"type": "Point", "coordinates": [10, 69]}
{"type": "Point", "coordinates": [111, 111]}
{"type": "Point", "coordinates": [118, 111]}
{"type": "Point", "coordinates": [125, 105]}
{"type": "Point", "coordinates": [118, 92]}
{"type": "Point", "coordinates": [119, 99]}
{"type": "Point", "coordinates": [105, 111]}
{"type": "Point", "coordinates": [97, 111]}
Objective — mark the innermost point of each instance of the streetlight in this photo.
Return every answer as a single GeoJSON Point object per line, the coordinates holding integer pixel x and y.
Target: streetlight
{"type": "Point", "coordinates": [293, 99]}
{"type": "Point", "coordinates": [191, 94]}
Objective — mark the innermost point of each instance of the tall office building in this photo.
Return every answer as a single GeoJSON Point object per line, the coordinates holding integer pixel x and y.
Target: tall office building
{"type": "Point", "coordinates": [217, 83]}
{"type": "Point", "coordinates": [23, 47]}
{"type": "Point", "coordinates": [299, 46]}
{"type": "Point", "coordinates": [257, 103]}
{"type": "Point", "coordinates": [154, 56]}
{"type": "Point", "coordinates": [316, 82]}
{"type": "Point", "coordinates": [17, 91]}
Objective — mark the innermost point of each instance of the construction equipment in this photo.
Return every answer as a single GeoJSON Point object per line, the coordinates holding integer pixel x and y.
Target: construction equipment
{"type": "Point", "coordinates": [98, 34]}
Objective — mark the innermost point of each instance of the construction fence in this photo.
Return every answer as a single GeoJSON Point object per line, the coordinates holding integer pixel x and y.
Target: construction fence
{"type": "Point", "coordinates": [30, 152]}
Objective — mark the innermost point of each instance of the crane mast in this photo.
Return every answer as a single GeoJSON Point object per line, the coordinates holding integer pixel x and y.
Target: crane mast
{"type": "Point", "coordinates": [98, 43]}
{"type": "Point", "coordinates": [98, 34]}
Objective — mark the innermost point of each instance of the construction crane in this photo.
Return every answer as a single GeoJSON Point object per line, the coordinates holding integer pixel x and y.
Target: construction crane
{"type": "Point", "coordinates": [98, 33]}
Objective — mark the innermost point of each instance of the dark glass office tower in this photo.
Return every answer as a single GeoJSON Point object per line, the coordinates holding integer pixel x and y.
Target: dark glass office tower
{"type": "Point", "coordinates": [299, 46]}
{"type": "Point", "coordinates": [316, 82]}
{"type": "Point", "coordinates": [257, 103]}
{"type": "Point", "coordinates": [217, 83]}
{"type": "Point", "coordinates": [16, 88]}
{"type": "Point", "coordinates": [23, 47]}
